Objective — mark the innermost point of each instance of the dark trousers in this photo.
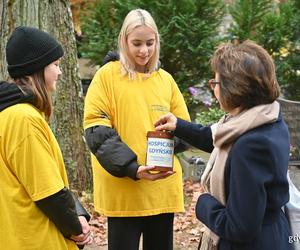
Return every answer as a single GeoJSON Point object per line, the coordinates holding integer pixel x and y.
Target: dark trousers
{"type": "Point", "coordinates": [124, 232]}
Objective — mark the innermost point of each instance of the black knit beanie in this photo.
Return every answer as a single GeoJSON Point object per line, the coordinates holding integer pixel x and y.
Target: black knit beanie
{"type": "Point", "coordinates": [29, 50]}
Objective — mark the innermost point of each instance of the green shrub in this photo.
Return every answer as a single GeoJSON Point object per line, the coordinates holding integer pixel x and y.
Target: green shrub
{"type": "Point", "coordinates": [209, 116]}
{"type": "Point", "coordinates": [188, 30]}
{"type": "Point", "coordinates": [277, 29]}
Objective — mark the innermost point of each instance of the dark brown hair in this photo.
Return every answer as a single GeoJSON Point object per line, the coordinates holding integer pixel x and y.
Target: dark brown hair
{"type": "Point", "coordinates": [36, 85]}
{"type": "Point", "coordinates": [247, 75]}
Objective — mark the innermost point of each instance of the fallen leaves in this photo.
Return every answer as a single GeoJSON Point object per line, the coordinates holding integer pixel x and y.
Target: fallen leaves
{"type": "Point", "coordinates": [186, 225]}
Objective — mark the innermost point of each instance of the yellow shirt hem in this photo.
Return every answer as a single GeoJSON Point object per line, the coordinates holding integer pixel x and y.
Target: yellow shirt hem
{"type": "Point", "coordinates": [140, 213]}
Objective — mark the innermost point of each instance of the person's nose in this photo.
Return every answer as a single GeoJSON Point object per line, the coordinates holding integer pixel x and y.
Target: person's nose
{"type": "Point", "coordinates": [144, 49]}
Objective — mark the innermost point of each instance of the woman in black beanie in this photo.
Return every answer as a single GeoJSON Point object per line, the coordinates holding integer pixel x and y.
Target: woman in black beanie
{"type": "Point", "coordinates": [37, 209]}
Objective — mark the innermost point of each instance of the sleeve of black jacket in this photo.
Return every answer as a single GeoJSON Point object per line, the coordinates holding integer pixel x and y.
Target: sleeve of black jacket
{"type": "Point", "coordinates": [113, 154]}
{"type": "Point", "coordinates": [80, 210]}
{"type": "Point", "coordinates": [111, 56]}
{"type": "Point", "coordinates": [60, 208]}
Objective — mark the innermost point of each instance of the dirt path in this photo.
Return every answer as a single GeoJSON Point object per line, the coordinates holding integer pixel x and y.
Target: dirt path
{"type": "Point", "coordinates": [94, 247]}
{"type": "Point", "coordinates": [186, 226]}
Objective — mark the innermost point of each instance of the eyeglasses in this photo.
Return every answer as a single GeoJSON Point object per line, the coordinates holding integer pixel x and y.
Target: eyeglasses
{"type": "Point", "coordinates": [212, 83]}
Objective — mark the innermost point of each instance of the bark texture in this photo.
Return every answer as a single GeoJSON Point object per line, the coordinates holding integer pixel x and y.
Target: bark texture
{"type": "Point", "coordinates": [54, 16]}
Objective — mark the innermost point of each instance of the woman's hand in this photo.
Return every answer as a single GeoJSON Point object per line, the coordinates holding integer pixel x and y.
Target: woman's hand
{"type": "Point", "coordinates": [86, 236]}
{"type": "Point", "coordinates": [166, 122]}
{"type": "Point", "coordinates": [144, 173]}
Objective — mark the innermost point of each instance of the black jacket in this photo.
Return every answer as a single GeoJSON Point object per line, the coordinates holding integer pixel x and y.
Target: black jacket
{"type": "Point", "coordinates": [256, 188]}
{"type": "Point", "coordinates": [61, 208]}
{"type": "Point", "coordinates": [11, 94]}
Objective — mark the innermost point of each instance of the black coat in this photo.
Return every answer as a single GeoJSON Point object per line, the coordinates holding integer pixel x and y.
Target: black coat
{"type": "Point", "coordinates": [256, 188]}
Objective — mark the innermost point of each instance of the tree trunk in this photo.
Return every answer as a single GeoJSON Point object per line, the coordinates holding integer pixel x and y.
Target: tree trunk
{"type": "Point", "coordinates": [66, 122]}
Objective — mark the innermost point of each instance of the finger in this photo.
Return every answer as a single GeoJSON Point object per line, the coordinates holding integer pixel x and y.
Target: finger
{"type": "Point", "coordinates": [145, 174]}
{"type": "Point", "coordinates": [143, 171]}
{"type": "Point", "coordinates": [157, 123]}
{"type": "Point", "coordinates": [76, 237]}
{"type": "Point", "coordinates": [86, 236]}
{"type": "Point", "coordinates": [83, 240]}
{"type": "Point", "coordinates": [85, 228]}
{"type": "Point", "coordinates": [171, 172]}
{"type": "Point", "coordinates": [81, 237]}
{"type": "Point", "coordinates": [147, 168]}
{"type": "Point", "coordinates": [160, 127]}
{"type": "Point", "coordinates": [160, 121]}
{"type": "Point", "coordinates": [91, 239]}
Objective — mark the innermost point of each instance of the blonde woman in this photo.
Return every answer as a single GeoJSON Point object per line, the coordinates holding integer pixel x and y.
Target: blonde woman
{"type": "Point", "coordinates": [123, 101]}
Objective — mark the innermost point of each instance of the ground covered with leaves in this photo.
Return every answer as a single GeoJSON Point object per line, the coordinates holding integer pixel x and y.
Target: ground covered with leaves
{"type": "Point", "coordinates": [186, 226]}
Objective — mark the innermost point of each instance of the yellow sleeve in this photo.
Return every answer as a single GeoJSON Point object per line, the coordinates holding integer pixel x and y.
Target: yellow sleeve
{"type": "Point", "coordinates": [97, 106]}
{"type": "Point", "coordinates": [34, 164]}
{"type": "Point", "coordinates": [178, 106]}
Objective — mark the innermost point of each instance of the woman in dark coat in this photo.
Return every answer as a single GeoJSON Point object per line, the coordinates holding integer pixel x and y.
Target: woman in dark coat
{"type": "Point", "coordinates": [244, 185]}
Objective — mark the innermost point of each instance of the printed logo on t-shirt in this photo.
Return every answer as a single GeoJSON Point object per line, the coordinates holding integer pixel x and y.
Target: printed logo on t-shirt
{"type": "Point", "coordinates": [159, 108]}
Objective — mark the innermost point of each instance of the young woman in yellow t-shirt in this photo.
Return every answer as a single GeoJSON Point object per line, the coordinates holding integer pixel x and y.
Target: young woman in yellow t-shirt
{"type": "Point", "coordinates": [125, 98]}
{"type": "Point", "coordinates": [37, 209]}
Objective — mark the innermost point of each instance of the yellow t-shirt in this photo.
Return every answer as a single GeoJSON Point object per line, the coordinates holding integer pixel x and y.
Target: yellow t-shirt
{"type": "Point", "coordinates": [132, 107]}
{"type": "Point", "coordinates": [31, 168]}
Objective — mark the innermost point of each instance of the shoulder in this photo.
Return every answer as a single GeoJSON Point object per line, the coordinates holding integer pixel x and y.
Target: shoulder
{"type": "Point", "coordinates": [23, 120]}
{"type": "Point", "coordinates": [25, 111]}
{"type": "Point", "coordinates": [254, 135]}
{"type": "Point", "coordinates": [264, 146]}
{"type": "Point", "coordinates": [107, 72]}
{"type": "Point", "coordinates": [164, 73]}
{"type": "Point", "coordinates": [109, 68]}
{"type": "Point", "coordinates": [253, 142]}
{"type": "Point", "coordinates": [265, 135]}
{"type": "Point", "coordinates": [166, 78]}
{"type": "Point", "coordinates": [26, 115]}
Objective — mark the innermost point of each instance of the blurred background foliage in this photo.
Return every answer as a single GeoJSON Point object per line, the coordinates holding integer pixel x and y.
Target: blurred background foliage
{"type": "Point", "coordinates": [191, 29]}
{"type": "Point", "coordinates": [275, 27]}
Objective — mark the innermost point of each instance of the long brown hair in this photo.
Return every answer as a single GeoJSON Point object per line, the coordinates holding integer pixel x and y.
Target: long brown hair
{"type": "Point", "coordinates": [35, 84]}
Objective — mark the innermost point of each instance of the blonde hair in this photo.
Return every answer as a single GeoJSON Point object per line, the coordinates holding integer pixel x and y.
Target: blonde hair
{"type": "Point", "coordinates": [134, 19]}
